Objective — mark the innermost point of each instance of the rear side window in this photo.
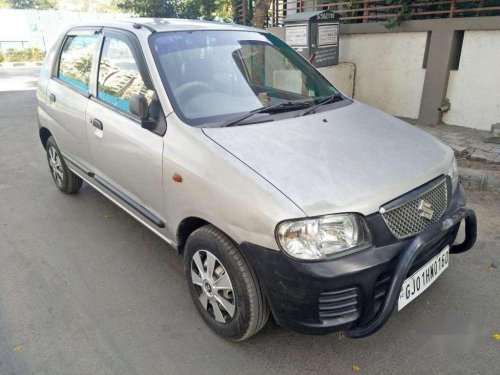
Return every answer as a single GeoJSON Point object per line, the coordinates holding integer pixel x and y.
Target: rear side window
{"type": "Point", "coordinates": [119, 76]}
{"type": "Point", "coordinates": [76, 60]}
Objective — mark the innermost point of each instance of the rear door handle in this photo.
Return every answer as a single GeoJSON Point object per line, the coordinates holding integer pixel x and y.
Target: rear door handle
{"type": "Point", "coordinates": [97, 123]}
{"type": "Point", "coordinates": [52, 98]}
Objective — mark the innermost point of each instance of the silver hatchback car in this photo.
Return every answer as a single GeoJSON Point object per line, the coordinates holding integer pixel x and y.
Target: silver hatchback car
{"type": "Point", "coordinates": [283, 195]}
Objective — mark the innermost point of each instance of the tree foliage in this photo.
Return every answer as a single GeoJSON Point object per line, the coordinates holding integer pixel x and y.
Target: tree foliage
{"type": "Point", "coordinates": [22, 55]}
{"type": "Point", "coordinates": [402, 13]}
{"type": "Point", "coordinates": [193, 9]}
{"type": "Point", "coordinates": [151, 8]}
{"type": "Point", "coordinates": [21, 4]}
{"type": "Point", "coordinates": [406, 11]}
{"type": "Point", "coordinates": [224, 10]}
{"type": "Point", "coordinates": [32, 4]}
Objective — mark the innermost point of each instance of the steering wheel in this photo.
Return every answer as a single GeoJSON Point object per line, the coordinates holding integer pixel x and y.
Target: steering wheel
{"type": "Point", "coordinates": [188, 90]}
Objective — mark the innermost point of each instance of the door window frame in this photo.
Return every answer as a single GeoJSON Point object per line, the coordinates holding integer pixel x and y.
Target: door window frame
{"type": "Point", "coordinates": [133, 43]}
{"type": "Point", "coordinates": [57, 62]}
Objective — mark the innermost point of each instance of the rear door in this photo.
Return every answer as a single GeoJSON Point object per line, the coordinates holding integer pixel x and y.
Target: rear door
{"type": "Point", "coordinates": [68, 93]}
{"type": "Point", "coordinates": [127, 158]}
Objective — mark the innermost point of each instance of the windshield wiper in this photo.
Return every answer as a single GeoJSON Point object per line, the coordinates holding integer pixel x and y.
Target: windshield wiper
{"type": "Point", "coordinates": [271, 108]}
{"type": "Point", "coordinates": [327, 100]}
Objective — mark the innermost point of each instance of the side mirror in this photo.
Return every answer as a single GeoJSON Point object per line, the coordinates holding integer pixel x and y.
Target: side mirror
{"type": "Point", "coordinates": [138, 105]}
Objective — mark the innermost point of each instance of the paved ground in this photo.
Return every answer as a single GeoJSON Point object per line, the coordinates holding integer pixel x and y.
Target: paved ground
{"type": "Point", "coordinates": [85, 289]}
{"type": "Point", "coordinates": [478, 154]}
{"type": "Point", "coordinates": [469, 144]}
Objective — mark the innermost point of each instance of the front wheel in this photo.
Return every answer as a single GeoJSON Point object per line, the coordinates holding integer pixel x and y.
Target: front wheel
{"type": "Point", "coordinates": [222, 285]}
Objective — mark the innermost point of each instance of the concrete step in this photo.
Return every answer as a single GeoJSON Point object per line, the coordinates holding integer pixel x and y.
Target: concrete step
{"type": "Point", "coordinates": [479, 179]}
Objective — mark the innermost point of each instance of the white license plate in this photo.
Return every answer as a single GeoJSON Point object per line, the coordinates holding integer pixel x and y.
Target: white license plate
{"type": "Point", "coordinates": [423, 278]}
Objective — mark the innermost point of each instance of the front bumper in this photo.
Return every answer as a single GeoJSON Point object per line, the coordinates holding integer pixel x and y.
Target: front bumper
{"type": "Point", "coordinates": [357, 292]}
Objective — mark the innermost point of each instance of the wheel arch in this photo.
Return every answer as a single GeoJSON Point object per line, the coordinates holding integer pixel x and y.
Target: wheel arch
{"type": "Point", "coordinates": [45, 134]}
{"type": "Point", "coordinates": [187, 226]}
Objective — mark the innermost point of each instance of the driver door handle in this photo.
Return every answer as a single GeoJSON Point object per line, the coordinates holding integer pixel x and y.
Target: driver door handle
{"type": "Point", "coordinates": [97, 123]}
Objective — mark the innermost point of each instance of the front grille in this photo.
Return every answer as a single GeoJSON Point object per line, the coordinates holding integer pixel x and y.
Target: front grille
{"type": "Point", "coordinates": [339, 304]}
{"type": "Point", "coordinates": [406, 221]}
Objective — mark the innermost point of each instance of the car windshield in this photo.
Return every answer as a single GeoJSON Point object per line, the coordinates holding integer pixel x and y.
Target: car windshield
{"type": "Point", "coordinates": [212, 77]}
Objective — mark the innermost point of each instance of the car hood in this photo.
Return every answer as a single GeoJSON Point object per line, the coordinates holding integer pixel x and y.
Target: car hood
{"type": "Point", "coordinates": [350, 159]}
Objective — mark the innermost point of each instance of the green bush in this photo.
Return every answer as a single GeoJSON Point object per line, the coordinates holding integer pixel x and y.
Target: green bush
{"type": "Point", "coordinates": [2, 57]}
{"type": "Point", "coordinates": [38, 54]}
{"type": "Point", "coordinates": [24, 55]}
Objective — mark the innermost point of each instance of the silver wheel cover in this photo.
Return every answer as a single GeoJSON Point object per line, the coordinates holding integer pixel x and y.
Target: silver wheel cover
{"type": "Point", "coordinates": [56, 166]}
{"type": "Point", "coordinates": [213, 285]}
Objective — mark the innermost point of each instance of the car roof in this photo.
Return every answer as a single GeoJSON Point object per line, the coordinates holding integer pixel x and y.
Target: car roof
{"type": "Point", "coordinates": [169, 24]}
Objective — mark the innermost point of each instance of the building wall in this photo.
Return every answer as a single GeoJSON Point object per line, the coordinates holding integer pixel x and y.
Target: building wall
{"type": "Point", "coordinates": [389, 73]}
{"type": "Point", "coordinates": [341, 76]}
{"type": "Point", "coordinates": [382, 70]}
{"type": "Point", "coordinates": [474, 89]}
{"type": "Point", "coordinates": [40, 28]}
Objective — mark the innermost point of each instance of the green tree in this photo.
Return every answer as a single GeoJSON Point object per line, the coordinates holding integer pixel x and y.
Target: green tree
{"type": "Point", "coordinates": [190, 9]}
{"type": "Point", "coordinates": [224, 10]}
{"type": "Point", "coordinates": [207, 8]}
{"type": "Point", "coordinates": [22, 4]}
{"type": "Point", "coordinates": [193, 9]}
{"type": "Point", "coordinates": [45, 4]}
{"type": "Point", "coordinates": [152, 8]}
{"type": "Point", "coordinates": [32, 4]}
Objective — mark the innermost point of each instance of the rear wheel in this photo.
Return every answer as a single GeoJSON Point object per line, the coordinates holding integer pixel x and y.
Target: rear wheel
{"type": "Point", "coordinates": [222, 285]}
{"type": "Point", "coordinates": [66, 181]}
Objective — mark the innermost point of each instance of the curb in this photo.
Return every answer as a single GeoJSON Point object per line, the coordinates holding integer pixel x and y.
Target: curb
{"type": "Point", "coordinates": [479, 179]}
{"type": "Point", "coordinates": [478, 155]}
{"type": "Point", "coordinates": [21, 64]}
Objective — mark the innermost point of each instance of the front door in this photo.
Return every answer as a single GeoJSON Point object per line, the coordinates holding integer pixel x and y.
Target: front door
{"type": "Point", "coordinates": [68, 91]}
{"type": "Point", "coordinates": [127, 158]}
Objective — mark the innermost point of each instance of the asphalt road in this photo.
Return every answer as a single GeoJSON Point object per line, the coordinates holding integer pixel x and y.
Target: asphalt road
{"type": "Point", "coordinates": [85, 289]}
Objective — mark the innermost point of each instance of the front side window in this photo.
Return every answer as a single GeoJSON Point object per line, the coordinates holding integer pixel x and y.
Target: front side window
{"type": "Point", "coordinates": [213, 76]}
{"type": "Point", "coordinates": [119, 76]}
{"type": "Point", "coordinates": [75, 64]}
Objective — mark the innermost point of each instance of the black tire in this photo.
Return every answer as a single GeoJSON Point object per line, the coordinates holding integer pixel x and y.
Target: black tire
{"type": "Point", "coordinates": [251, 309]}
{"type": "Point", "coordinates": [65, 180]}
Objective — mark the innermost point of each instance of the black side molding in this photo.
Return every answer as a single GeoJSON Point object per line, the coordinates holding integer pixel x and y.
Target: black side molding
{"type": "Point", "coordinates": [124, 197]}
{"type": "Point", "coordinates": [136, 206]}
{"type": "Point", "coordinates": [77, 165]}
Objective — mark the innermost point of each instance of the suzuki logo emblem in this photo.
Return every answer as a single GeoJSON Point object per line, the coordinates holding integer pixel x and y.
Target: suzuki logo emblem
{"type": "Point", "coordinates": [425, 210]}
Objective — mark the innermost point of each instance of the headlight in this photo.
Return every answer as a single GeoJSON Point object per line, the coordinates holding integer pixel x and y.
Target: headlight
{"type": "Point", "coordinates": [313, 239]}
{"type": "Point", "coordinates": [453, 173]}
